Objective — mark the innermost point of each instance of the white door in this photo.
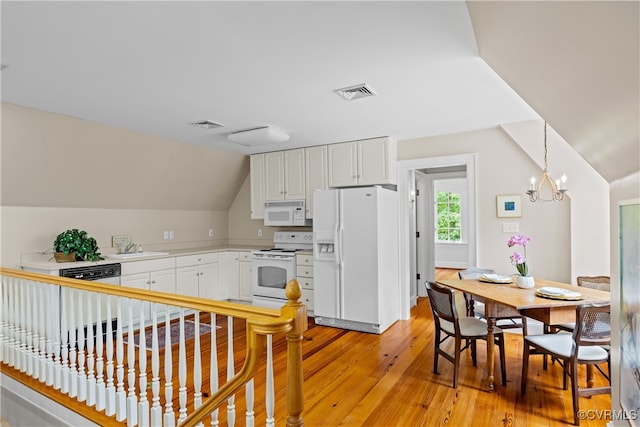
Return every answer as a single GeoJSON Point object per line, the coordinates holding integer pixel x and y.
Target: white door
{"type": "Point", "coordinates": [373, 162]}
{"type": "Point", "coordinates": [316, 177]}
{"type": "Point", "coordinates": [274, 176]}
{"type": "Point", "coordinates": [257, 186]}
{"type": "Point", "coordinates": [294, 174]}
{"type": "Point", "coordinates": [343, 164]}
{"type": "Point", "coordinates": [359, 248]}
{"type": "Point", "coordinates": [187, 280]}
{"type": "Point", "coordinates": [326, 269]}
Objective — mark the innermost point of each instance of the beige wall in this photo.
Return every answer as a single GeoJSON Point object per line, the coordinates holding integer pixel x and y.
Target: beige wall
{"type": "Point", "coordinates": [59, 172]}
{"type": "Point", "coordinates": [502, 168]}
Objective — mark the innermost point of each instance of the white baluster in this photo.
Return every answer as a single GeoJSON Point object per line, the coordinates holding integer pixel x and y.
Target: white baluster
{"type": "Point", "coordinates": [132, 399]}
{"type": "Point", "coordinates": [197, 365]}
{"type": "Point", "coordinates": [169, 418]}
{"type": "Point", "coordinates": [143, 405]}
{"type": "Point", "coordinates": [22, 338]}
{"type": "Point", "coordinates": [269, 387]}
{"type": "Point", "coordinates": [29, 327]}
{"type": "Point", "coordinates": [110, 390]}
{"type": "Point", "coordinates": [156, 409]}
{"type": "Point", "coordinates": [182, 371]}
{"type": "Point", "coordinates": [121, 397]}
{"type": "Point", "coordinates": [213, 368]}
{"type": "Point", "coordinates": [101, 389]}
{"type": "Point", "coordinates": [91, 356]}
{"type": "Point", "coordinates": [249, 394]}
{"type": "Point", "coordinates": [82, 375]}
{"type": "Point", "coordinates": [12, 321]}
{"type": "Point", "coordinates": [231, 402]}
{"type": "Point", "coordinates": [4, 316]}
{"type": "Point", "coordinates": [55, 328]}
{"type": "Point", "coordinates": [73, 370]}
{"type": "Point", "coordinates": [64, 343]}
{"type": "Point", "coordinates": [44, 350]}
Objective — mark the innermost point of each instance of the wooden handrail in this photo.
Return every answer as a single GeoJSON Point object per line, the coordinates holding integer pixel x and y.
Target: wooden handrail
{"type": "Point", "coordinates": [260, 322]}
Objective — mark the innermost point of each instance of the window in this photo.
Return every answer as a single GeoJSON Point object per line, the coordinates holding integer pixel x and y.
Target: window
{"type": "Point", "coordinates": [448, 220]}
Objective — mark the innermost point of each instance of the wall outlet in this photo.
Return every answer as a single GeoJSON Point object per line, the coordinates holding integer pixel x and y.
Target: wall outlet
{"type": "Point", "coordinates": [171, 235]}
{"type": "Point", "coordinates": [259, 232]}
{"type": "Point", "coordinates": [165, 235]}
{"type": "Point", "coordinates": [117, 241]}
{"type": "Point", "coordinates": [211, 232]}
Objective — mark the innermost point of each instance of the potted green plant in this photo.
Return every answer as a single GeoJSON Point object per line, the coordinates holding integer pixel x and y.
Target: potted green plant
{"type": "Point", "coordinates": [75, 245]}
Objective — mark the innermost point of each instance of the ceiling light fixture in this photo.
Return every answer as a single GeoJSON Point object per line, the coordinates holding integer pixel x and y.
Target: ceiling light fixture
{"type": "Point", "coordinates": [547, 189]}
{"type": "Point", "coordinates": [259, 136]}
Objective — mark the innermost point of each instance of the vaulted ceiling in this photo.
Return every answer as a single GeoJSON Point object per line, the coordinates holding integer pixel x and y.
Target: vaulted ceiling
{"type": "Point", "coordinates": [436, 68]}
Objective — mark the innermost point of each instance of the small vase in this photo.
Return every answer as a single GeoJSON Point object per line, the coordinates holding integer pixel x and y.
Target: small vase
{"type": "Point", "coordinates": [525, 282]}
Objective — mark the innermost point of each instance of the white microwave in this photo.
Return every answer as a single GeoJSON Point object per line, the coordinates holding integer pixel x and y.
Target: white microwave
{"type": "Point", "coordinates": [285, 213]}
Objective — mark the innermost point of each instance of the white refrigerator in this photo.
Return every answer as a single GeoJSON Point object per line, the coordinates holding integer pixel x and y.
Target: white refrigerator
{"type": "Point", "coordinates": [355, 266]}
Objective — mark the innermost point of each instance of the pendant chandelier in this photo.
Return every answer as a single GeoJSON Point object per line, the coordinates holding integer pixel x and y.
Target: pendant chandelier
{"type": "Point", "coordinates": [547, 190]}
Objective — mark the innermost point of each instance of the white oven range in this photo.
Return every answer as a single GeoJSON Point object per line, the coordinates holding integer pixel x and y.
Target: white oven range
{"type": "Point", "coordinates": [272, 268]}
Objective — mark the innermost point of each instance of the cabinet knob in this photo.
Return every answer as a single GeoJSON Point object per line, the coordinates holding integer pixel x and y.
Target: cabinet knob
{"type": "Point", "coordinates": [153, 281]}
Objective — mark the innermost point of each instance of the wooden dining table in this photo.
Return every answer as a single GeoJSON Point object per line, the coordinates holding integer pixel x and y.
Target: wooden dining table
{"type": "Point", "coordinates": [502, 300]}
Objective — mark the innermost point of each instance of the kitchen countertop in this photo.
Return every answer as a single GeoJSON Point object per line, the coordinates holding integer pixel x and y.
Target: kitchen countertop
{"type": "Point", "coordinates": [40, 261]}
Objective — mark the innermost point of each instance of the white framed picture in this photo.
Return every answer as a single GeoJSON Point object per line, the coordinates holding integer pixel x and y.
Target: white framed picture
{"type": "Point", "coordinates": [509, 206]}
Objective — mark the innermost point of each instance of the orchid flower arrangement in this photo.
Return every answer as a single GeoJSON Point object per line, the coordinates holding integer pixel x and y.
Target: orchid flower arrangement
{"type": "Point", "coordinates": [517, 259]}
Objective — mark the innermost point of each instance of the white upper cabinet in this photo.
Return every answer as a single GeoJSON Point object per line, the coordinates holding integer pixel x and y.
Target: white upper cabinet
{"type": "Point", "coordinates": [284, 175]}
{"type": "Point", "coordinates": [365, 162]}
{"type": "Point", "coordinates": [316, 174]}
{"type": "Point", "coordinates": [257, 186]}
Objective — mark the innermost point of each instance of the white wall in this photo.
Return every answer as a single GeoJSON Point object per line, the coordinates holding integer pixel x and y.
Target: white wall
{"type": "Point", "coordinates": [503, 168]}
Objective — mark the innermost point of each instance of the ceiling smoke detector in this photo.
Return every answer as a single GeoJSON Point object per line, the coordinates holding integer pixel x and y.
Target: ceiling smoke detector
{"type": "Point", "coordinates": [207, 124]}
{"type": "Point", "coordinates": [354, 92]}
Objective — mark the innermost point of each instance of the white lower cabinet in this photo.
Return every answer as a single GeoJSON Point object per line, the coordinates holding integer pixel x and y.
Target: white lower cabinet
{"type": "Point", "coordinates": [245, 276]}
{"type": "Point", "coordinates": [235, 271]}
{"type": "Point", "coordinates": [156, 275]}
{"type": "Point", "coordinates": [197, 275]}
{"type": "Point", "coordinates": [304, 273]}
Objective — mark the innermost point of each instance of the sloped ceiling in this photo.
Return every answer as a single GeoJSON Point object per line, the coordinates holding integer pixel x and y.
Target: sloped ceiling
{"type": "Point", "coordinates": [577, 63]}
{"type": "Point", "coordinates": [155, 67]}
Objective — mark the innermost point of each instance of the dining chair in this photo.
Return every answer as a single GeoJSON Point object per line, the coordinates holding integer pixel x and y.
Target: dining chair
{"type": "Point", "coordinates": [602, 283]}
{"type": "Point", "coordinates": [469, 329]}
{"type": "Point", "coordinates": [582, 347]}
{"type": "Point", "coordinates": [475, 308]}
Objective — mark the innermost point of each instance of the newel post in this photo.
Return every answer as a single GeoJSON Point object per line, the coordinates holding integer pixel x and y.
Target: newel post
{"type": "Point", "coordinates": [298, 312]}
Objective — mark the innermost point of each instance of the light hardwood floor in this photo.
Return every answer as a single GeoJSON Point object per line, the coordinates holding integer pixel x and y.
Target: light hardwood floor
{"type": "Point", "coordinates": [359, 379]}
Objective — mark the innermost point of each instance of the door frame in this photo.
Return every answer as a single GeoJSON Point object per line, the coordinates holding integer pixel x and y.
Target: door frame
{"type": "Point", "coordinates": [406, 222]}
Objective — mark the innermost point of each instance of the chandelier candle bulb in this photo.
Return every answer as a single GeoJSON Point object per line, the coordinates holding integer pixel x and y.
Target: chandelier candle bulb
{"type": "Point", "coordinates": [532, 186]}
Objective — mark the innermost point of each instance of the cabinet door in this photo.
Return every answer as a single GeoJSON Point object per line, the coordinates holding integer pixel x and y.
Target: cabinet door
{"type": "Point", "coordinates": [187, 280]}
{"type": "Point", "coordinates": [257, 186]}
{"type": "Point", "coordinates": [208, 282]}
{"type": "Point", "coordinates": [233, 280]}
{"type": "Point", "coordinates": [294, 175]}
{"type": "Point", "coordinates": [274, 176]}
{"type": "Point", "coordinates": [138, 281]}
{"type": "Point", "coordinates": [163, 281]}
{"type": "Point", "coordinates": [376, 161]}
{"type": "Point", "coordinates": [316, 177]}
{"type": "Point", "coordinates": [245, 281]}
{"type": "Point", "coordinates": [343, 164]}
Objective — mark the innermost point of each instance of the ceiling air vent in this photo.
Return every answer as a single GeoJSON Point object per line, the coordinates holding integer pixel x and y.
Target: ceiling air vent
{"type": "Point", "coordinates": [207, 124]}
{"type": "Point", "coordinates": [355, 92]}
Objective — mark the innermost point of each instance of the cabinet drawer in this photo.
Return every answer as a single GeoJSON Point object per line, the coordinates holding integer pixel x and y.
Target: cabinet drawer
{"type": "Point", "coordinates": [305, 283]}
{"type": "Point", "coordinates": [146, 266]}
{"type": "Point", "coordinates": [307, 299]}
{"type": "Point", "coordinates": [304, 259]}
{"type": "Point", "coordinates": [245, 256]}
{"type": "Point", "coordinates": [304, 271]}
{"type": "Point", "coordinates": [205, 258]}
